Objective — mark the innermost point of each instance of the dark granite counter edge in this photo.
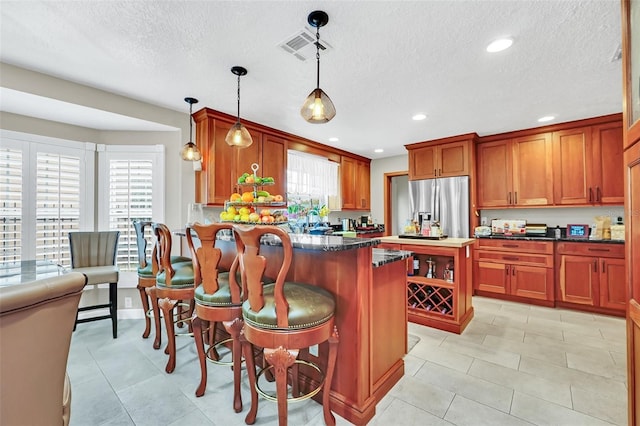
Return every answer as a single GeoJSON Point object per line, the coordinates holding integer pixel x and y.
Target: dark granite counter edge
{"type": "Point", "coordinates": [537, 238]}
{"type": "Point", "coordinates": [385, 256]}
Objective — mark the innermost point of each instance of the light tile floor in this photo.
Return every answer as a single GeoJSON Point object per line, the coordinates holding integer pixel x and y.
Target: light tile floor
{"type": "Point", "coordinates": [515, 364]}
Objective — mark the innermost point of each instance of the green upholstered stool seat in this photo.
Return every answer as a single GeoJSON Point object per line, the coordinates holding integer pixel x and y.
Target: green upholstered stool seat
{"type": "Point", "coordinates": [147, 271]}
{"type": "Point", "coordinates": [222, 297]}
{"type": "Point", "coordinates": [309, 306]}
{"type": "Point", "coordinates": [183, 277]}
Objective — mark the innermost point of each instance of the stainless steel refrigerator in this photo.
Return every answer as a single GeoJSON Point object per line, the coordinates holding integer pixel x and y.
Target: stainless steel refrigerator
{"type": "Point", "coordinates": [445, 200]}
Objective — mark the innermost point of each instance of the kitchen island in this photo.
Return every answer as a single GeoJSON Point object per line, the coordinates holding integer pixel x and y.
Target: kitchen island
{"type": "Point", "coordinates": [439, 287]}
{"type": "Point", "coordinates": [371, 312]}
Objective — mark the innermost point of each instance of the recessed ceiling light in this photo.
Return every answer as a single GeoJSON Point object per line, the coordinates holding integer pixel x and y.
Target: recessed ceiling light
{"type": "Point", "coordinates": [333, 139]}
{"type": "Point", "coordinates": [546, 118]}
{"type": "Point", "coordinates": [378, 150]}
{"type": "Point", "coordinates": [499, 45]}
{"type": "Point", "coordinates": [419, 117]}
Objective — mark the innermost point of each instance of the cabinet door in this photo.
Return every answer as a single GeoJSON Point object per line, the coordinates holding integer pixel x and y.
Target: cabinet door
{"type": "Point", "coordinates": [453, 159]}
{"type": "Point", "coordinates": [423, 163]}
{"type": "Point", "coordinates": [572, 170]}
{"type": "Point", "coordinates": [221, 177]}
{"type": "Point", "coordinates": [608, 163]}
{"type": "Point", "coordinates": [578, 279]}
{"type": "Point", "coordinates": [532, 282]}
{"type": "Point", "coordinates": [492, 277]}
{"type": "Point", "coordinates": [612, 284]}
{"type": "Point", "coordinates": [494, 174]}
{"type": "Point", "coordinates": [532, 170]}
{"type": "Point", "coordinates": [245, 157]}
{"type": "Point", "coordinates": [348, 179]}
{"type": "Point", "coordinates": [274, 163]}
{"type": "Point", "coordinates": [363, 191]}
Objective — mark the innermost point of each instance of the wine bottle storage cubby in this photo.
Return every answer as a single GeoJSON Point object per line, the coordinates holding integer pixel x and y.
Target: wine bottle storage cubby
{"type": "Point", "coordinates": [430, 298]}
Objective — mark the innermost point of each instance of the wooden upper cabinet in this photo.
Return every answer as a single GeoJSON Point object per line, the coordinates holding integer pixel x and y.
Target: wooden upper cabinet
{"type": "Point", "coordinates": [572, 166]}
{"type": "Point", "coordinates": [608, 163]}
{"type": "Point", "coordinates": [532, 170]}
{"type": "Point", "coordinates": [588, 165]}
{"type": "Point", "coordinates": [515, 172]}
{"type": "Point", "coordinates": [274, 162]}
{"type": "Point", "coordinates": [355, 180]}
{"type": "Point", "coordinates": [432, 160]}
{"type": "Point", "coordinates": [494, 174]}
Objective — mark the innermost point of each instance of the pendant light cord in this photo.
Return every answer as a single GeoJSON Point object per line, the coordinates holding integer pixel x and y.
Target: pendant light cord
{"type": "Point", "coordinates": [238, 98]}
{"type": "Point", "coordinates": [191, 122]}
{"type": "Point", "coordinates": [318, 56]}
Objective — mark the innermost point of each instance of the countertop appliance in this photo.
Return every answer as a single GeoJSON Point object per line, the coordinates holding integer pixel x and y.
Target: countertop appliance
{"type": "Point", "coordinates": [446, 200]}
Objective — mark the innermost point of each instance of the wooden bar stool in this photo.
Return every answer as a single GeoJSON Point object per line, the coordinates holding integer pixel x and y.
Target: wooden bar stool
{"type": "Point", "coordinates": [147, 271]}
{"type": "Point", "coordinates": [285, 318]}
{"type": "Point", "coordinates": [218, 298]}
{"type": "Point", "coordinates": [174, 283]}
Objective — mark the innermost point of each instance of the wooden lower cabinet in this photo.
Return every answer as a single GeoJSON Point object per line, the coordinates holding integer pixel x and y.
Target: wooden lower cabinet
{"type": "Point", "coordinates": [516, 270]}
{"type": "Point", "coordinates": [591, 276]}
{"type": "Point", "coordinates": [441, 301]}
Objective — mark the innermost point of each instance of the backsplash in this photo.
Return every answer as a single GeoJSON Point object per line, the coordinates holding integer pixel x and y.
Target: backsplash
{"type": "Point", "coordinates": [553, 217]}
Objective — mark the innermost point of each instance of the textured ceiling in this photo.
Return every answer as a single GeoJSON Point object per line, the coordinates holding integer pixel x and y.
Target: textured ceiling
{"type": "Point", "coordinates": [389, 60]}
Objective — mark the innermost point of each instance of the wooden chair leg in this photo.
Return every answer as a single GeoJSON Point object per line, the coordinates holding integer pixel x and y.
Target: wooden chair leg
{"type": "Point", "coordinates": [166, 306]}
{"type": "Point", "coordinates": [145, 306]}
{"type": "Point", "coordinates": [113, 308]}
{"type": "Point", "coordinates": [329, 419]}
{"type": "Point", "coordinates": [247, 349]}
{"type": "Point", "coordinates": [202, 357]}
{"type": "Point", "coordinates": [281, 359]}
{"type": "Point", "coordinates": [234, 328]}
{"type": "Point", "coordinates": [151, 291]}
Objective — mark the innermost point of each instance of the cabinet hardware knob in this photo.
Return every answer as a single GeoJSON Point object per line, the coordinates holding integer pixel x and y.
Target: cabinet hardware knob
{"type": "Point", "coordinates": [598, 249]}
{"type": "Point", "coordinates": [509, 198]}
{"type": "Point", "coordinates": [595, 265]}
{"type": "Point", "coordinates": [516, 198]}
{"type": "Point", "coordinates": [510, 245]}
{"type": "Point", "coordinates": [603, 270]}
{"type": "Point", "coordinates": [513, 270]}
{"type": "Point", "coordinates": [515, 259]}
{"type": "Point", "coordinates": [590, 194]}
{"type": "Point", "coordinates": [598, 195]}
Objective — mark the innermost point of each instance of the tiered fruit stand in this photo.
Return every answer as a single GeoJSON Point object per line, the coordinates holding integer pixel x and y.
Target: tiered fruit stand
{"type": "Point", "coordinates": [261, 207]}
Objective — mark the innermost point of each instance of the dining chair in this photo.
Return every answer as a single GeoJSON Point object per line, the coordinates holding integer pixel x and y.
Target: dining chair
{"type": "Point", "coordinates": [285, 319]}
{"type": "Point", "coordinates": [147, 271]}
{"type": "Point", "coordinates": [36, 323]}
{"type": "Point", "coordinates": [94, 254]}
{"type": "Point", "coordinates": [174, 284]}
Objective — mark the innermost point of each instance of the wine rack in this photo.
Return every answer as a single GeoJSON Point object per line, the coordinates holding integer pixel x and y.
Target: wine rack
{"type": "Point", "coordinates": [430, 297]}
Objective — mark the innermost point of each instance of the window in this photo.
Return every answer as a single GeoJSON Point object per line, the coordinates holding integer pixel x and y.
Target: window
{"type": "Point", "coordinates": [311, 176]}
{"type": "Point", "coordinates": [132, 189]}
{"type": "Point", "coordinates": [43, 184]}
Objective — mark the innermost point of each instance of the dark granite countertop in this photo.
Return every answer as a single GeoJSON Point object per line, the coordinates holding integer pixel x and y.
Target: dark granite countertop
{"type": "Point", "coordinates": [318, 242]}
{"type": "Point", "coordinates": [384, 256]}
{"type": "Point", "coordinates": [548, 238]}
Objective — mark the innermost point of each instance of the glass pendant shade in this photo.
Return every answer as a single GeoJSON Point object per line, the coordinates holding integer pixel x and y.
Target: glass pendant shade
{"type": "Point", "coordinates": [238, 136]}
{"type": "Point", "coordinates": [190, 152]}
{"type": "Point", "coordinates": [318, 108]}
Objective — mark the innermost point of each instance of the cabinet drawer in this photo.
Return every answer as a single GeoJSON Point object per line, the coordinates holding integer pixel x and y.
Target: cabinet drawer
{"type": "Point", "coordinates": [591, 249]}
{"type": "Point", "coordinates": [516, 258]}
{"type": "Point", "coordinates": [515, 246]}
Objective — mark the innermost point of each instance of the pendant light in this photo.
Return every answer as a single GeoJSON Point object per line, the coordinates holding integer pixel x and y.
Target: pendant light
{"type": "Point", "coordinates": [190, 151]}
{"type": "Point", "coordinates": [238, 134]}
{"type": "Point", "coordinates": [318, 108]}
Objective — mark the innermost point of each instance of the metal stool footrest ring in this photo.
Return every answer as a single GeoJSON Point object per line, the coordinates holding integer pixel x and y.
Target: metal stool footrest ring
{"type": "Point", "coordinates": [303, 397]}
{"type": "Point", "coordinates": [217, 345]}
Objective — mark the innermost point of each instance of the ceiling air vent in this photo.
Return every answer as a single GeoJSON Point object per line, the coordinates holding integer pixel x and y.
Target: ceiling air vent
{"type": "Point", "coordinates": [302, 45]}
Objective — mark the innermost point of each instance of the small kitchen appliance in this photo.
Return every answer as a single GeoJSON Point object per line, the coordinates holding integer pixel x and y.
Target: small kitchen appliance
{"type": "Point", "coordinates": [577, 231]}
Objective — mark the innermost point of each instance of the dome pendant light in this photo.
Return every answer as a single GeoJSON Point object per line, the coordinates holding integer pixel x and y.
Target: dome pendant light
{"type": "Point", "coordinates": [318, 108]}
{"type": "Point", "coordinates": [190, 151]}
{"type": "Point", "coordinates": [238, 134]}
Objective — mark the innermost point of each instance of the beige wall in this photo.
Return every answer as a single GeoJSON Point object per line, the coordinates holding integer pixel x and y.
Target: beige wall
{"type": "Point", "coordinates": [179, 184]}
{"type": "Point", "coordinates": [379, 167]}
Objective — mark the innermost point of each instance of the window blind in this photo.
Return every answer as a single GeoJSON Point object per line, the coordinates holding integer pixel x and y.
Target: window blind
{"type": "Point", "coordinates": [11, 205]}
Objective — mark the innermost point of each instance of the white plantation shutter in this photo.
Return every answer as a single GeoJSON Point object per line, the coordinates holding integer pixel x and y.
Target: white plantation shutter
{"type": "Point", "coordinates": [134, 190]}
{"type": "Point", "coordinates": [57, 205]}
{"type": "Point", "coordinates": [46, 190]}
{"type": "Point", "coordinates": [11, 202]}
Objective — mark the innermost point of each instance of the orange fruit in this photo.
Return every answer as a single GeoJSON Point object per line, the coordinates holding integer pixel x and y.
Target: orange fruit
{"type": "Point", "coordinates": [277, 197]}
{"type": "Point", "coordinates": [235, 197]}
{"type": "Point", "coordinates": [247, 197]}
